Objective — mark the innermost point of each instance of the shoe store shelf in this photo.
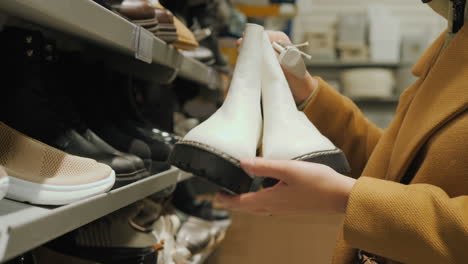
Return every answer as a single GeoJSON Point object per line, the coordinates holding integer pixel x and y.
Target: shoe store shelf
{"type": "Point", "coordinates": [344, 65]}
{"type": "Point", "coordinates": [196, 71]}
{"type": "Point", "coordinates": [90, 21]}
{"type": "Point", "coordinates": [25, 226]}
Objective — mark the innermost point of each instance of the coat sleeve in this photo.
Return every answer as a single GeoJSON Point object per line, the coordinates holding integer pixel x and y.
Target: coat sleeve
{"type": "Point", "coordinates": [417, 223]}
{"type": "Point", "coordinates": [340, 120]}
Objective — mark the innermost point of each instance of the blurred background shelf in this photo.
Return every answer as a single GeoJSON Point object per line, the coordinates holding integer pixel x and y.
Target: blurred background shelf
{"type": "Point", "coordinates": [344, 65]}
{"type": "Point", "coordinates": [91, 22]}
{"type": "Point", "coordinates": [25, 226]}
{"type": "Point", "coordinates": [280, 10]}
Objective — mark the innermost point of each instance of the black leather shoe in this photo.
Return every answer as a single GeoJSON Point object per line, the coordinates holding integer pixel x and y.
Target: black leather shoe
{"type": "Point", "coordinates": [185, 200]}
{"type": "Point", "coordinates": [73, 143]}
{"type": "Point", "coordinates": [159, 148]}
{"type": "Point", "coordinates": [125, 143]}
{"type": "Point", "coordinates": [137, 162]}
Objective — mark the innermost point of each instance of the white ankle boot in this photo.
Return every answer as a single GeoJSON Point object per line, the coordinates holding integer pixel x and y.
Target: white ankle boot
{"type": "Point", "coordinates": [287, 133]}
{"type": "Point", "coordinates": [213, 149]}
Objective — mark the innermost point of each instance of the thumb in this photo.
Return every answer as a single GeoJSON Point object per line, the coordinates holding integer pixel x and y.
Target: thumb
{"type": "Point", "coordinates": [278, 169]}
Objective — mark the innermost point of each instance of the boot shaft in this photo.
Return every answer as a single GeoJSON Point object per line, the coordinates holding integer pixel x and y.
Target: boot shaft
{"type": "Point", "coordinates": [276, 96]}
{"type": "Point", "coordinates": [243, 92]}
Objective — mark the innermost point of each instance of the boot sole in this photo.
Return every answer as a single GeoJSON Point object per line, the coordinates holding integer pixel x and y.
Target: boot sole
{"type": "Point", "coordinates": [334, 159]}
{"type": "Point", "coordinates": [4, 183]}
{"type": "Point", "coordinates": [44, 194]}
{"type": "Point", "coordinates": [212, 165]}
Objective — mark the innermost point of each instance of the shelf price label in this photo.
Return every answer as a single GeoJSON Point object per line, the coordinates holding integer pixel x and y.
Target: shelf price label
{"type": "Point", "coordinates": [143, 44]}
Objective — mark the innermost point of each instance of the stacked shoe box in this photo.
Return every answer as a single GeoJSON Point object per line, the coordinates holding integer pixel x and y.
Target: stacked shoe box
{"type": "Point", "coordinates": [352, 37]}
{"type": "Point", "coordinates": [368, 83]}
{"type": "Point", "coordinates": [384, 35]}
{"type": "Point", "coordinates": [322, 42]}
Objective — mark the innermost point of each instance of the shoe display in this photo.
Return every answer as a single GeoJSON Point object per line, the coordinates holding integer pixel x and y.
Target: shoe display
{"type": "Point", "coordinates": [111, 240]}
{"type": "Point", "coordinates": [160, 149]}
{"type": "Point", "coordinates": [182, 124]}
{"type": "Point", "coordinates": [139, 12]}
{"type": "Point", "coordinates": [213, 149]}
{"type": "Point", "coordinates": [195, 234]}
{"type": "Point", "coordinates": [41, 174]}
{"type": "Point", "coordinates": [202, 54]}
{"type": "Point", "coordinates": [77, 124]}
{"type": "Point", "coordinates": [4, 182]}
{"type": "Point", "coordinates": [287, 132]}
{"type": "Point", "coordinates": [57, 117]}
{"type": "Point", "coordinates": [185, 200]}
{"type": "Point", "coordinates": [165, 229]}
{"type": "Point", "coordinates": [185, 38]}
{"type": "Point", "coordinates": [73, 143]}
{"type": "Point", "coordinates": [124, 143]}
{"type": "Point", "coordinates": [137, 162]}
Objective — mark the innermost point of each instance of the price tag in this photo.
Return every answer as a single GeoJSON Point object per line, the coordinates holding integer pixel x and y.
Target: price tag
{"type": "Point", "coordinates": [143, 44]}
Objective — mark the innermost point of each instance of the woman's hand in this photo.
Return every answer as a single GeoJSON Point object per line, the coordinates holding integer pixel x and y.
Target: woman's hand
{"type": "Point", "coordinates": [301, 88]}
{"type": "Point", "coordinates": [304, 188]}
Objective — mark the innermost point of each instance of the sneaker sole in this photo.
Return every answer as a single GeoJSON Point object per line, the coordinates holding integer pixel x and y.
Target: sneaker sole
{"type": "Point", "coordinates": [334, 159]}
{"type": "Point", "coordinates": [211, 165]}
{"type": "Point", "coordinates": [44, 194]}
{"type": "Point", "coordinates": [4, 183]}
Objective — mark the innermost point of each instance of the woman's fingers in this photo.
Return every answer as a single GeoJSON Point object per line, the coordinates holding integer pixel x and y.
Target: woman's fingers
{"type": "Point", "coordinates": [277, 169]}
{"type": "Point", "coordinates": [239, 42]}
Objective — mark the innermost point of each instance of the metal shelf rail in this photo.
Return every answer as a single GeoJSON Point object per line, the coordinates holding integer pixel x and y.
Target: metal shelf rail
{"type": "Point", "coordinates": [25, 226]}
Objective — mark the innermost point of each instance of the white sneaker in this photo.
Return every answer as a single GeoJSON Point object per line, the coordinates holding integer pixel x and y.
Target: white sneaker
{"type": "Point", "coordinates": [4, 182]}
{"type": "Point", "coordinates": [213, 149]}
{"type": "Point", "coordinates": [41, 174]}
{"type": "Point", "coordinates": [287, 132]}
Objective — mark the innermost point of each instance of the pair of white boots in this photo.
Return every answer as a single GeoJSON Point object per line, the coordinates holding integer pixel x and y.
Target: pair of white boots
{"type": "Point", "coordinates": [213, 149]}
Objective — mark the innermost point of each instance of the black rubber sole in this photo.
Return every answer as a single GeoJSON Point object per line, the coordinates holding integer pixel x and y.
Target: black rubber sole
{"type": "Point", "coordinates": [334, 159]}
{"type": "Point", "coordinates": [221, 171]}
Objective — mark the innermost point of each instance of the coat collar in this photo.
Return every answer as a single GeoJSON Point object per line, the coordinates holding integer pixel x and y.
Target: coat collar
{"type": "Point", "coordinates": [427, 59]}
{"type": "Point", "coordinates": [442, 96]}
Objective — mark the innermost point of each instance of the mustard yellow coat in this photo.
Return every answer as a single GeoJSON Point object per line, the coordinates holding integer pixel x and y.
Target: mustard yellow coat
{"type": "Point", "coordinates": [425, 222]}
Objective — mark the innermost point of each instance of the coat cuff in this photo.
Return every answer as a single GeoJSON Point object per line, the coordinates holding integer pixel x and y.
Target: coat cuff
{"type": "Point", "coordinates": [374, 215]}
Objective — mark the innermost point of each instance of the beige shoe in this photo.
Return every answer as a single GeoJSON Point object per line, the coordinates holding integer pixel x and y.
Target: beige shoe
{"type": "Point", "coordinates": [3, 182]}
{"type": "Point", "coordinates": [41, 174]}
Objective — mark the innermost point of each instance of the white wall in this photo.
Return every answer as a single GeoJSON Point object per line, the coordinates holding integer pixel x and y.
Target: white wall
{"type": "Point", "coordinates": [414, 16]}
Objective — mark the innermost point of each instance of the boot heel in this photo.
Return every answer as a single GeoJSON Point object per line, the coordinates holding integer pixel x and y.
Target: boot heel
{"type": "Point", "coordinates": [334, 159]}
{"type": "Point", "coordinates": [218, 168]}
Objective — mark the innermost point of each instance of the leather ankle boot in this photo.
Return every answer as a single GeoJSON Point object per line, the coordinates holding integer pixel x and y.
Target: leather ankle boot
{"type": "Point", "coordinates": [213, 149]}
{"type": "Point", "coordinates": [287, 132]}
